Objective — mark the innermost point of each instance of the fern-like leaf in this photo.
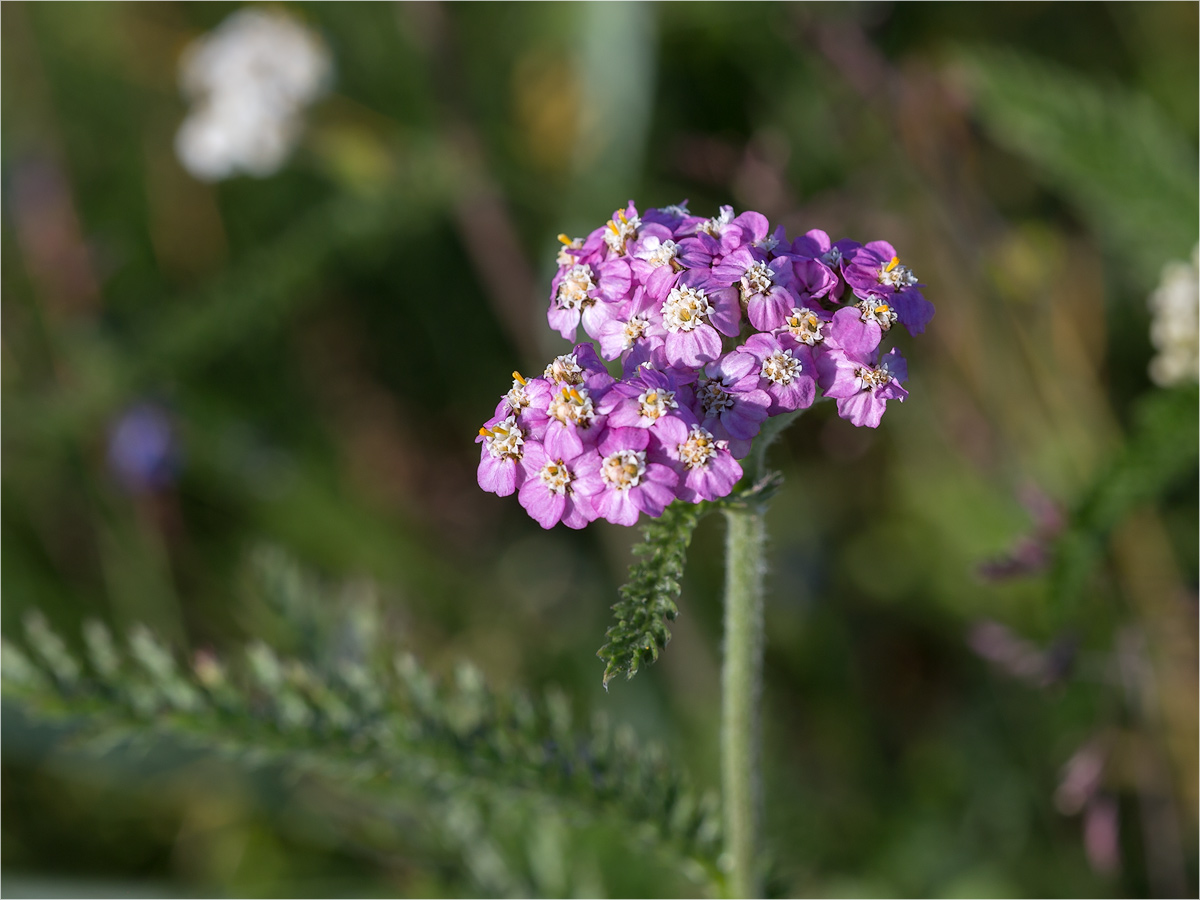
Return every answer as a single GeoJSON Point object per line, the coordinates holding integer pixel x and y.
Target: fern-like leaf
{"type": "Point", "coordinates": [484, 771]}
{"type": "Point", "coordinates": [648, 598]}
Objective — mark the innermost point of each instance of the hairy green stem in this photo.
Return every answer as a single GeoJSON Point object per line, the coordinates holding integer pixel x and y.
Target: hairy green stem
{"type": "Point", "coordinates": [741, 686]}
{"type": "Point", "coordinates": [741, 678]}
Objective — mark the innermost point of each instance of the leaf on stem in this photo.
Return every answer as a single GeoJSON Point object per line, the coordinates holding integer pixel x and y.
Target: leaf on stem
{"type": "Point", "coordinates": [648, 598]}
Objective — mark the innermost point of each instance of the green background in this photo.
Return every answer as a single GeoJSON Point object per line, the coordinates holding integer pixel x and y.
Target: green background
{"type": "Point", "coordinates": [327, 341]}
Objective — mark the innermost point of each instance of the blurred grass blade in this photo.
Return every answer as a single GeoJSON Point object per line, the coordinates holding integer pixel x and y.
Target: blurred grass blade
{"type": "Point", "coordinates": [1161, 450]}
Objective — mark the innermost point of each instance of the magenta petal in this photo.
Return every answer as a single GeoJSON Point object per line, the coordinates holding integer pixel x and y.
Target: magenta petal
{"type": "Point", "coordinates": [863, 409]}
{"type": "Point", "coordinates": [837, 375]}
{"type": "Point", "coordinates": [562, 441]}
{"type": "Point", "coordinates": [660, 282]}
{"type": "Point", "coordinates": [693, 348]}
{"type": "Point", "coordinates": [659, 474]}
{"type": "Point", "coordinates": [797, 395]}
{"type": "Point", "coordinates": [671, 430]}
{"type": "Point", "coordinates": [897, 365]}
{"type": "Point", "coordinates": [912, 310]}
{"type": "Point", "coordinates": [623, 439]}
{"type": "Point", "coordinates": [564, 321]}
{"type": "Point", "coordinates": [652, 498]}
{"type": "Point", "coordinates": [545, 506]}
{"type": "Point", "coordinates": [768, 312]}
{"type": "Point", "coordinates": [727, 311]}
{"type": "Point", "coordinates": [499, 476]}
{"type": "Point", "coordinates": [882, 249]}
{"type": "Point", "coordinates": [617, 507]}
{"type": "Point", "coordinates": [744, 419]}
{"type": "Point", "coordinates": [858, 338]}
{"type": "Point", "coordinates": [615, 279]}
{"type": "Point", "coordinates": [755, 223]}
{"type": "Point", "coordinates": [578, 511]}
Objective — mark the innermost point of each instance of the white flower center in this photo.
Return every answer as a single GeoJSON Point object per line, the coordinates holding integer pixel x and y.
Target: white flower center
{"type": "Point", "coordinates": [565, 370]}
{"type": "Point", "coordinates": [676, 209]}
{"type": "Point", "coordinates": [635, 328]}
{"type": "Point", "coordinates": [660, 253]}
{"type": "Point", "coordinates": [871, 378]}
{"type": "Point", "coordinates": [713, 397]}
{"type": "Point", "coordinates": [504, 439]}
{"type": "Point", "coordinates": [517, 397]}
{"type": "Point", "coordinates": [654, 403]}
{"type": "Point", "coordinates": [685, 309]}
{"type": "Point", "coordinates": [767, 244]}
{"type": "Point", "coordinates": [572, 405]}
{"type": "Point", "coordinates": [698, 449]}
{"type": "Point", "coordinates": [781, 367]}
{"type": "Point", "coordinates": [620, 230]}
{"type": "Point", "coordinates": [757, 280]}
{"type": "Point", "coordinates": [832, 256]}
{"type": "Point", "coordinates": [624, 469]}
{"type": "Point", "coordinates": [896, 275]}
{"type": "Point", "coordinates": [573, 289]}
{"type": "Point", "coordinates": [716, 225]}
{"type": "Point", "coordinates": [805, 326]}
{"type": "Point", "coordinates": [565, 257]}
{"type": "Point", "coordinates": [876, 309]}
{"type": "Point", "coordinates": [557, 477]}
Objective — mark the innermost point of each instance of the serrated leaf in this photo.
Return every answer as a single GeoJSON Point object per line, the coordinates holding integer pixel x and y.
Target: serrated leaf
{"type": "Point", "coordinates": [409, 745]}
{"type": "Point", "coordinates": [1110, 151]}
{"type": "Point", "coordinates": [648, 597]}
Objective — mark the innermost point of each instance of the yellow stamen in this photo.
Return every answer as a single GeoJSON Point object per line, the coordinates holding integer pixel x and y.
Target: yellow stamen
{"type": "Point", "coordinates": [895, 262]}
{"type": "Point", "coordinates": [575, 395]}
{"type": "Point", "coordinates": [622, 215]}
{"type": "Point", "coordinates": [486, 432]}
{"type": "Point", "coordinates": [563, 239]}
{"type": "Point", "coordinates": [517, 377]}
{"type": "Point", "coordinates": [613, 226]}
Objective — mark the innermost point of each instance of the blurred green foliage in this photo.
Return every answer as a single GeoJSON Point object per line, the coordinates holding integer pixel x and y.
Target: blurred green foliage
{"type": "Point", "coordinates": [324, 343]}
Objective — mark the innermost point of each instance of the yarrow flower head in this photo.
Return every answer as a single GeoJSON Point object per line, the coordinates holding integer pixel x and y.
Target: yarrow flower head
{"type": "Point", "coordinates": [719, 324]}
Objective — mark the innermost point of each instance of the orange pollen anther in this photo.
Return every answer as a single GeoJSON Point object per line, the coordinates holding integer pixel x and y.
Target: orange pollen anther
{"type": "Point", "coordinates": [895, 262]}
{"type": "Point", "coordinates": [563, 239]}
{"type": "Point", "coordinates": [486, 432]}
{"type": "Point", "coordinates": [575, 395]}
{"type": "Point", "coordinates": [517, 377]}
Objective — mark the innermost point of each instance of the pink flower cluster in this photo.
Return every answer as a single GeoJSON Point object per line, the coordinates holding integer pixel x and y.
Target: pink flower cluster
{"type": "Point", "coordinates": [719, 325]}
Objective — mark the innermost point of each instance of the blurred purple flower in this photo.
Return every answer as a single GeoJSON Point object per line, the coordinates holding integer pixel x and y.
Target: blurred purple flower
{"type": "Point", "coordinates": [1022, 659]}
{"type": "Point", "coordinates": [1101, 834]}
{"type": "Point", "coordinates": [1031, 553]}
{"type": "Point", "coordinates": [143, 449]}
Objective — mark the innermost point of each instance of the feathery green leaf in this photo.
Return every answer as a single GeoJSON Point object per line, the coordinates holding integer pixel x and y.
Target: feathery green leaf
{"type": "Point", "coordinates": [648, 598]}
{"type": "Point", "coordinates": [1110, 151]}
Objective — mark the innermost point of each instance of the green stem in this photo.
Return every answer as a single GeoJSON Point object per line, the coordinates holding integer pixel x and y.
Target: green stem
{"type": "Point", "coordinates": [741, 687]}
{"type": "Point", "coordinates": [741, 678]}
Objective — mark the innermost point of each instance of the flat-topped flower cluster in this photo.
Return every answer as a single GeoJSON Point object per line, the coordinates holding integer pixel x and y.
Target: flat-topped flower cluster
{"type": "Point", "coordinates": [719, 324]}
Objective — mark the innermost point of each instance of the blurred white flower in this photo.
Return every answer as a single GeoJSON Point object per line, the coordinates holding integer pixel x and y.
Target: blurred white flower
{"type": "Point", "coordinates": [1175, 323]}
{"type": "Point", "coordinates": [249, 81]}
